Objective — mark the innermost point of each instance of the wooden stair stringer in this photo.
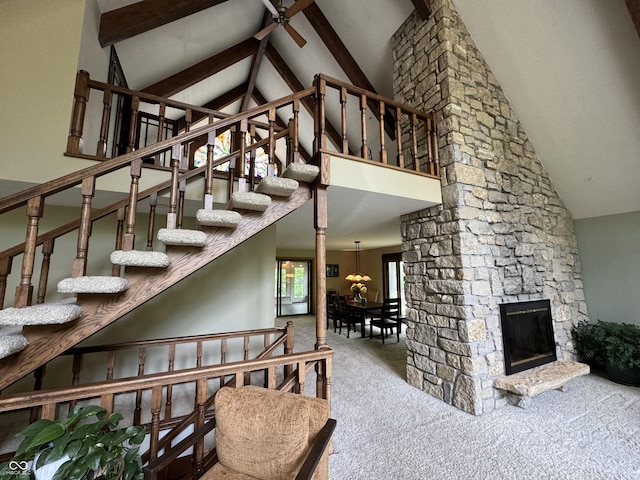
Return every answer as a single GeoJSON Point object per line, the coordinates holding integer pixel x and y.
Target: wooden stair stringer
{"type": "Point", "coordinates": [47, 342]}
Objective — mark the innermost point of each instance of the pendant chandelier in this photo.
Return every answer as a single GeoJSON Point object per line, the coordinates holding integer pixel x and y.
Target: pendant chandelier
{"type": "Point", "coordinates": [358, 276]}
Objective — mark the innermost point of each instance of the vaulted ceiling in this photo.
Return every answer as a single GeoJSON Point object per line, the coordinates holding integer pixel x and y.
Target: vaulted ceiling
{"type": "Point", "coordinates": [569, 67]}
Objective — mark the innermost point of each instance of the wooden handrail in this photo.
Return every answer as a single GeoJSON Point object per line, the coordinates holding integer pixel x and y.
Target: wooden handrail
{"type": "Point", "coordinates": [147, 382]}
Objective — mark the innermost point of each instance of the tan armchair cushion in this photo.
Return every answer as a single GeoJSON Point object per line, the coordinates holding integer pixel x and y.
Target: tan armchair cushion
{"type": "Point", "coordinates": [266, 434]}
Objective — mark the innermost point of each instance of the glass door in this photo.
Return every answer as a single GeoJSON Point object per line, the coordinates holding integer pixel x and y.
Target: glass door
{"type": "Point", "coordinates": [393, 278]}
{"type": "Point", "coordinates": [293, 287]}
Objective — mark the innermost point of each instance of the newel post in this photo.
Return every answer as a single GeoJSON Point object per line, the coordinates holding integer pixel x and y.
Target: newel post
{"type": "Point", "coordinates": [80, 97]}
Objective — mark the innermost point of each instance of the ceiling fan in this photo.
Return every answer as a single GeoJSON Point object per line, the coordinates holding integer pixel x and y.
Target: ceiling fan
{"type": "Point", "coordinates": [281, 16]}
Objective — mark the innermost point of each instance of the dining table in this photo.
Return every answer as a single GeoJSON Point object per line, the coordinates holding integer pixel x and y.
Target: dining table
{"type": "Point", "coordinates": [363, 309]}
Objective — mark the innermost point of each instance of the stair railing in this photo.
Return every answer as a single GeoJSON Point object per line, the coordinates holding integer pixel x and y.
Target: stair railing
{"type": "Point", "coordinates": [203, 381]}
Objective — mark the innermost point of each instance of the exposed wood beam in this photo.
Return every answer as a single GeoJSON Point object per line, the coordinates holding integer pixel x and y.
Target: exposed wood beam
{"type": "Point", "coordinates": [261, 100]}
{"type": "Point", "coordinates": [200, 71]}
{"type": "Point", "coordinates": [140, 17]}
{"type": "Point", "coordinates": [341, 53]}
{"type": "Point", "coordinates": [634, 11]}
{"type": "Point", "coordinates": [295, 85]}
{"type": "Point", "coordinates": [423, 8]}
{"type": "Point", "coordinates": [255, 63]}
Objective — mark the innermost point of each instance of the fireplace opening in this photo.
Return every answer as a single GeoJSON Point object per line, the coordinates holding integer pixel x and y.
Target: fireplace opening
{"type": "Point", "coordinates": [527, 335]}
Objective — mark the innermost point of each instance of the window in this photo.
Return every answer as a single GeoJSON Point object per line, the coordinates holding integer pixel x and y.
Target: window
{"type": "Point", "coordinates": [393, 278]}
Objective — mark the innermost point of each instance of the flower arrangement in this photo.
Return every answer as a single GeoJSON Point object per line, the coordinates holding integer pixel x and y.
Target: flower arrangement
{"type": "Point", "coordinates": [358, 288]}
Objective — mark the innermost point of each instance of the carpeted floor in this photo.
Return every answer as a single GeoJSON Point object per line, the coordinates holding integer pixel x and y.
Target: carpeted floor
{"type": "Point", "coordinates": [390, 430]}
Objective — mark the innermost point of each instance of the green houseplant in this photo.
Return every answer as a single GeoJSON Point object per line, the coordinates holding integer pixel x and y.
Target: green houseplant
{"type": "Point", "coordinates": [614, 346]}
{"type": "Point", "coordinates": [90, 441]}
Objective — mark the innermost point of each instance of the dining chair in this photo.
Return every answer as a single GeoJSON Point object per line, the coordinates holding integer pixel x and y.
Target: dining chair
{"type": "Point", "coordinates": [387, 318]}
{"type": "Point", "coordinates": [350, 317]}
{"type": "Point", "coordinates": [332, 310]}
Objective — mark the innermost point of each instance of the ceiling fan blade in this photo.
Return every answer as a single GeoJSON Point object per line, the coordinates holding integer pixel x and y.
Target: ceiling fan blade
{"type": "Point", "coordinates": [295, 35]}
{"type": "Point", "coordinates": [266, 31]}
{"type": "Point", "coordinates": [271, 8]}
{"type": "Point", "coordinates": [296, 7]}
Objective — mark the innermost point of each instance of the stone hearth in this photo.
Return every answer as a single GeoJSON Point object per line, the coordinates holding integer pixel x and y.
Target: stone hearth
{"type": "Point", "coordinates": [502, 233]}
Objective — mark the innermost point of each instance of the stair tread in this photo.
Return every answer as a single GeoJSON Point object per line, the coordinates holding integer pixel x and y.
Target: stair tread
{"type": "Point", "coordinates": [218, 218]}
{"type": "Point", "coordinates": [303, 172]}
{"type": "Point", "coordinates": [249, 201]}
{"type": "Point", "coordinates": [93, 284]}
{"type": "Point", "coordinates": [182, 237]}
{"type": "Point", "coordinates": [281, 187]}
{"type": "Point", "coordinates": [140, 258]}
{"type": "Point", "coordinates": [10, 344]}
{"type": "Point", "coordinates": [41, 314]}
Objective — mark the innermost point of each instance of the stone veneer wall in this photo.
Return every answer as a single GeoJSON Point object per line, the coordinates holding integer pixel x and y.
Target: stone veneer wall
{"type": "Point", "coordinates": [502, 233]}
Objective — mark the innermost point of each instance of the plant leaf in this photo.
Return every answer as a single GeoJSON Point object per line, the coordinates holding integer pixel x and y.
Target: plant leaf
{"type": "Point", "coordinates": [46, 435]}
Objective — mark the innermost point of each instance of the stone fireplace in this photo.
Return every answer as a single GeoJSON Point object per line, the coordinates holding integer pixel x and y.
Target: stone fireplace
{"type": "Point", "coordinates": [502, 234]}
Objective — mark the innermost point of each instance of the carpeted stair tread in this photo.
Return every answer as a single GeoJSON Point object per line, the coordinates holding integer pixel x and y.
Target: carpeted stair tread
{"type": "Point", "coordinates": [182, 237]}
{"type": "Point", "coordinates": [249, 201]}
{"type": "Point", "coordinates": [140, 258]}
{"type": "Point", "coordinates": [10, 344]}
{"type": "Point", "coordinates": [41, 314]}
{"type": "Point", "coordinates": [303, 172]}
{"type": "Point", "coordinates": [218, 218]}
{"type": "Point", "coordinates": [93, 284]}
{"type": "Point", "coordinates": [281, 187]}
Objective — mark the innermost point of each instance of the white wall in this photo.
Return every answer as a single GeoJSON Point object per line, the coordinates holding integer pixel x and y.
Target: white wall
{"type": "Point", "coordinates": [609, 249]}
{"type": "Point", "coordinates": [39, 57]}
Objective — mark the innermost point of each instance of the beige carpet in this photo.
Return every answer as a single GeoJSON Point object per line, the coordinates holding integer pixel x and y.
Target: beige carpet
{"type": "Point", "coordinates": [390, 430]}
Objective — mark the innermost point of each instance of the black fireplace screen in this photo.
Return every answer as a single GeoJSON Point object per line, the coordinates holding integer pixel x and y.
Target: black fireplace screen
{"type": "Point", "coordinates": [527, 333]}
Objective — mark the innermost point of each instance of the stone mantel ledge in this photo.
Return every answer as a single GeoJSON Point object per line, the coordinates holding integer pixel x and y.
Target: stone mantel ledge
{"type": "Point", "coordinates": [541, 379]}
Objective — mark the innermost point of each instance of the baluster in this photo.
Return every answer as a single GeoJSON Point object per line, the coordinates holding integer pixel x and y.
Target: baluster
{"type": "Point", "coordinates": [106, 402]}
{"type": "Point", "coordinates": [5, 271]}
{"type": "Point", "coordinates": [130, 233]}
{"type": "Point", "coordinates": [296, 129]}
{"type": "Point", "coordinates": [24, 291]}
{"type": "Point", "coordinates": [111, 363]}
{"type": "Point", "coordinates": [153, 204]}
{"type": "Point", "coordinates": [137, 413]}
{"type": "Point", "coordinates": [161, 115]}
{"type": "Point", "coordinates": [101, 149]}
{"type": "Point", "coordinates": [246, 347]}
{"type": "Point", "coordinates": [173, 195]}
{"type": "Point", "coordinates": [272, 139]}
{"type": "Point", "coordinates": [289, 157]}
{"type": "Point", "coordinates": [252, 159]}
{"type": "Point", "coordinates": [154, 434]}
{"type": "Point", "coordinates": [199, 353]}
{"type": "Point", "coordinates": [363, 126]}
{"type": "Point", "coordinates": [201, 398]}
{"type": "Point", "coordinates": [47, 250]}
{"type": "Point", "coordinates": [242, 145]}
{"type": "Point", "coordinates": [328, 375]}
{"type": "Point", "coordinates": [170, 368]}
{"type": "Point", "coordinates": [321, 125]}
{"type": "Point", "coordinates": [208, 187]}
{"type": "Point", "coordinates": [433, 131]}
{"type": "Point", "coordinates": [302, 374]}
{"type": "Point", "coordinates": [80, 97]}
{"type": "Point", "coordinates": [288, 346]}
{"type": "Point", "coordinates": [182, 187]}
{"type": "Point", "coordinates": [414, 143]}
{"type": "Point", "coordinates": [38, 375]}
{"type": "Point", "coordinates": [223, 357]}
{"type": "Point", "coordinates": [343, 110]}
{"type": "Point", "coordinates": [84, 232]}
{"type": "Point", "coordinates": [270, 382]}
{"type": "Point", "coordinates": [383, 150]}
{"type": "Point", "coordinates": [231, 176]}
{"type": "Point", "coordinates": [120, 214]}
{"type": "Point", "coordinates": [135, 106]}
{"type": "Point", "coordinates": [76, 368]}
{"type": "Point", "coordinates": [399, 138]}
{"type": "Point", "coordinates": [49, 411]}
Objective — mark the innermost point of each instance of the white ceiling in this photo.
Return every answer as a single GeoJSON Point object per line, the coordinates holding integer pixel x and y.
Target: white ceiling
{"type": "Point", "coordinates": [569, 67]}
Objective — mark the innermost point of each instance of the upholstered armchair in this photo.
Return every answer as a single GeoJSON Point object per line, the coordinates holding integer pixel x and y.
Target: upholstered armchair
{"type": "Point", "coordinates": [267, 434]}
